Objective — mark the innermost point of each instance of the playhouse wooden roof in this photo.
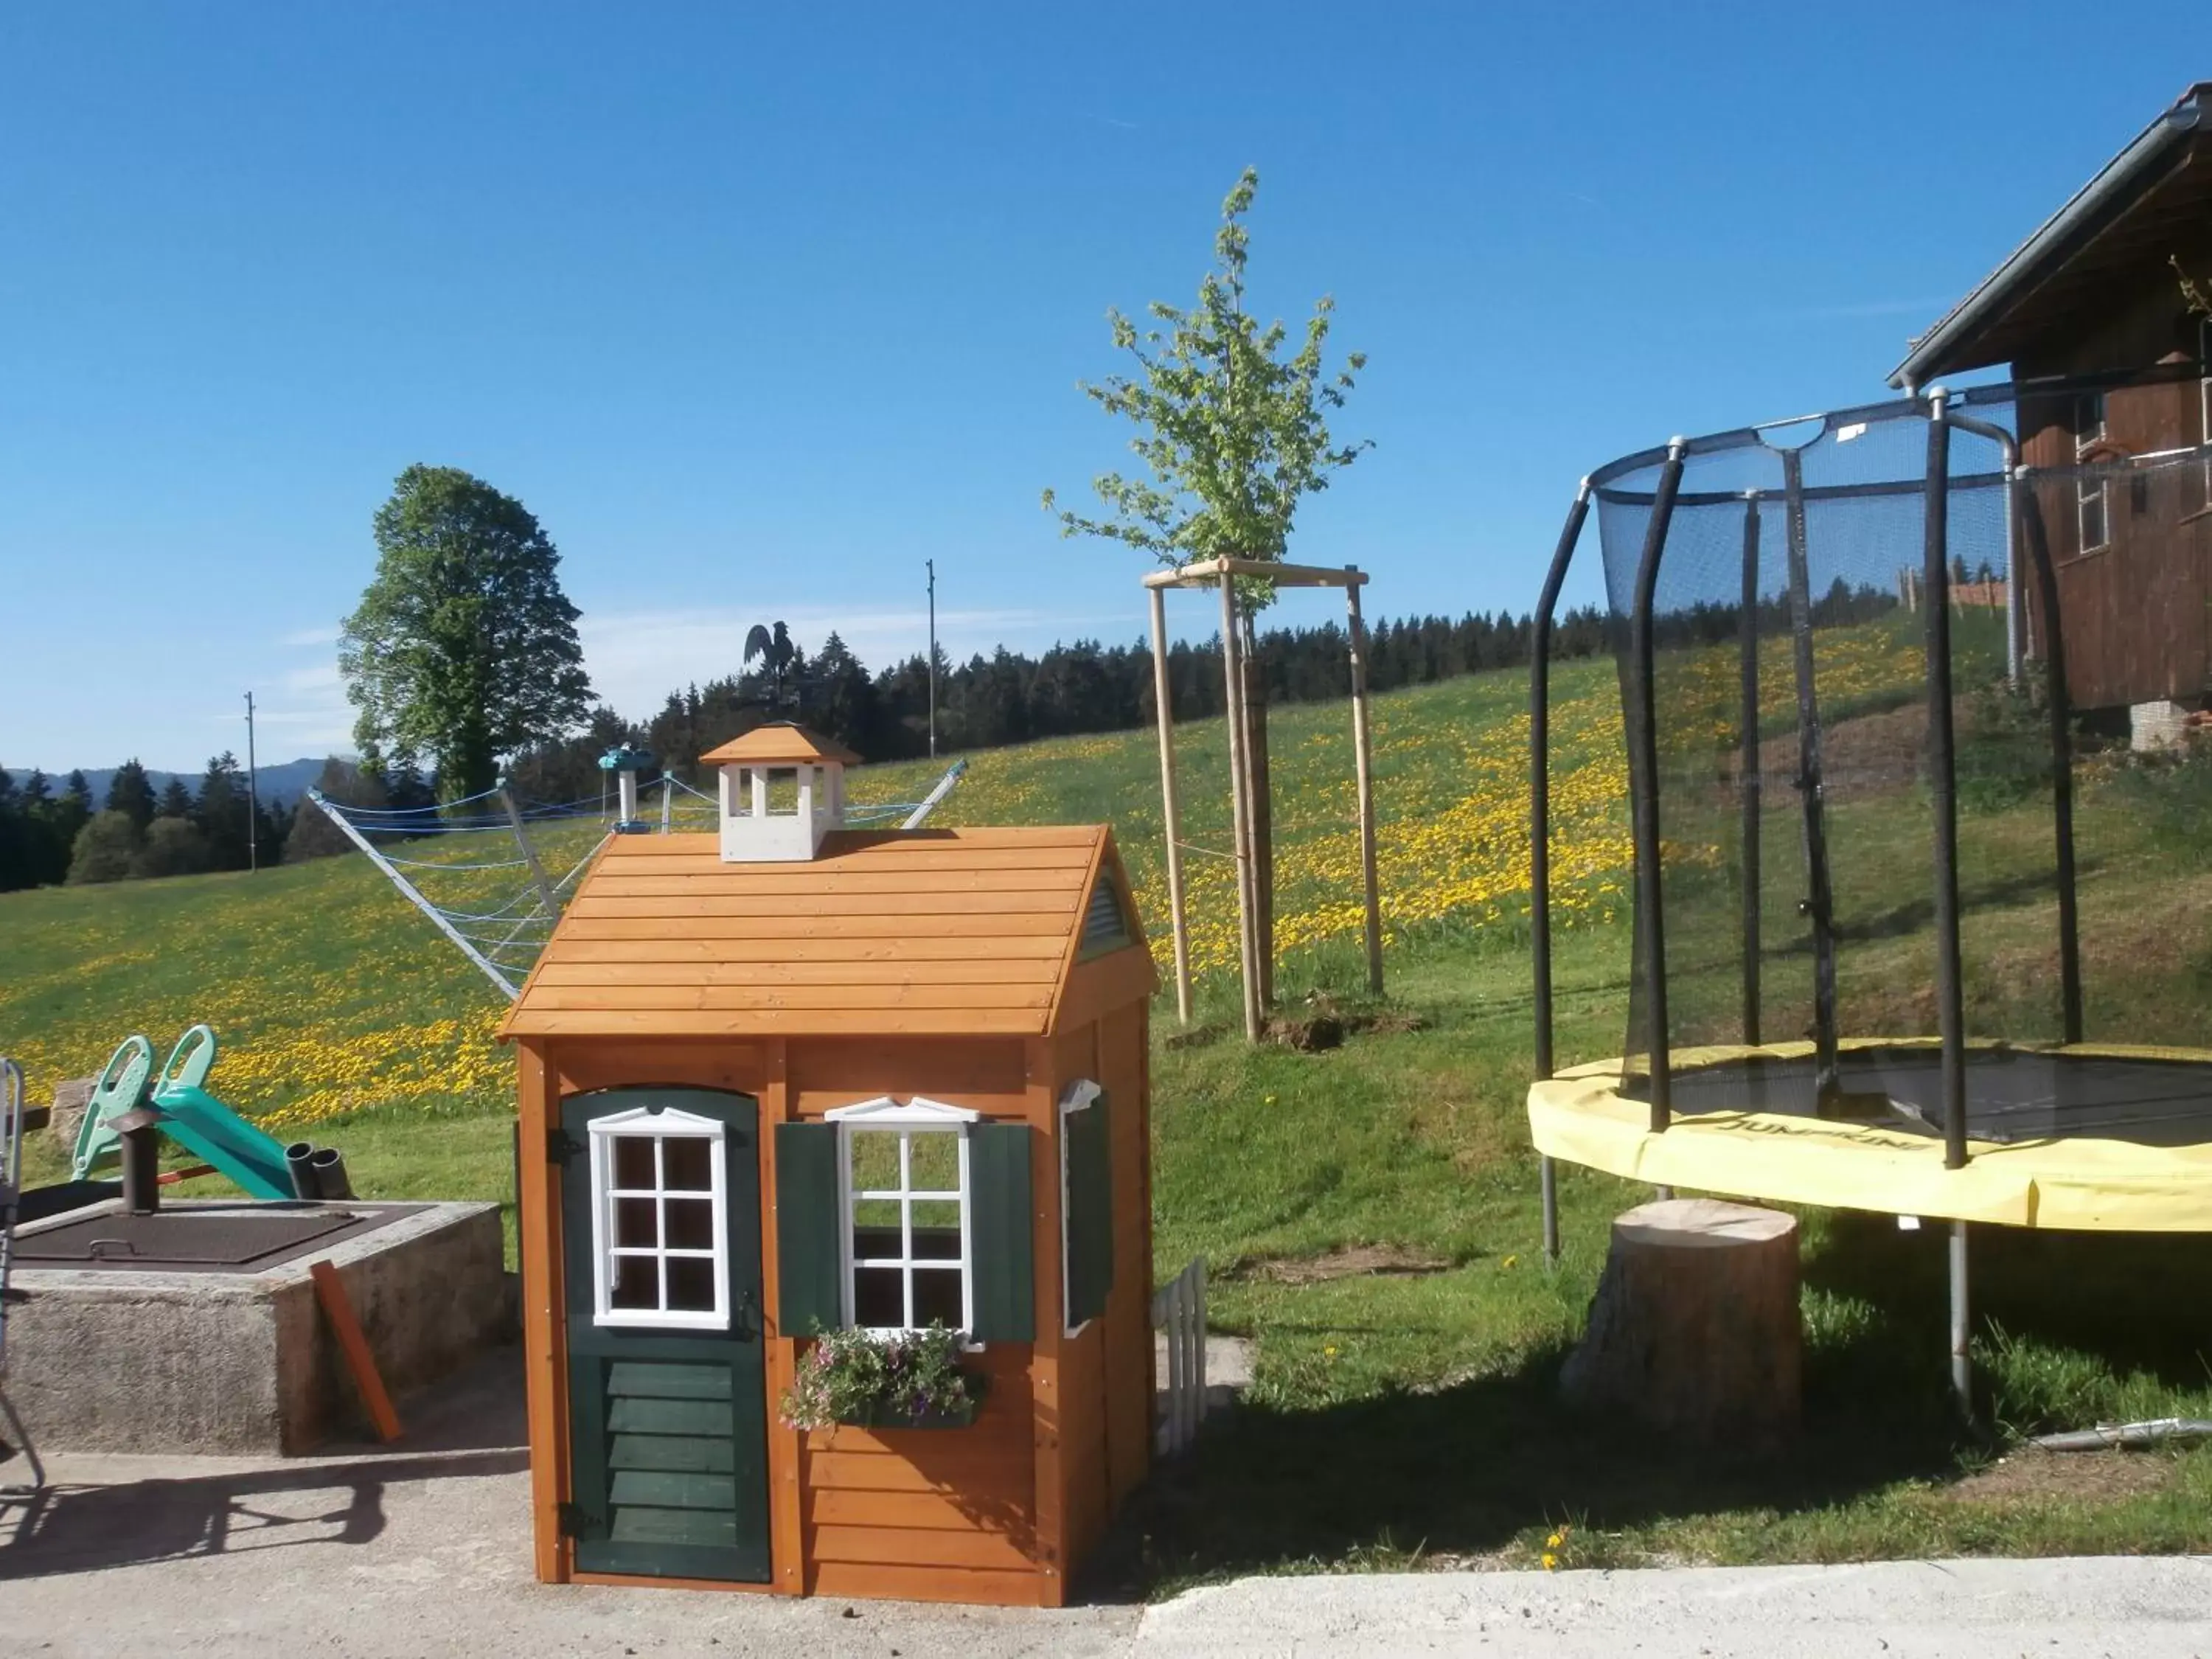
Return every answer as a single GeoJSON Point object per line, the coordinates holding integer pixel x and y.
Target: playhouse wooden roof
{"type": "Point", "coordinates": [928, 932]}
{"type": "Point", "coordinates": [780, 743]}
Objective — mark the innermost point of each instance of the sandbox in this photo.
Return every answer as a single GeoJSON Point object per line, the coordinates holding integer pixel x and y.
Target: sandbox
{"type": "Point", "coordinates": [196, 1328]}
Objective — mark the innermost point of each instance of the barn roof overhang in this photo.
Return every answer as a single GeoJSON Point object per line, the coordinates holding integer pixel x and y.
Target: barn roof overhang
{"type": "Point", "coordinates": [2157, 189]}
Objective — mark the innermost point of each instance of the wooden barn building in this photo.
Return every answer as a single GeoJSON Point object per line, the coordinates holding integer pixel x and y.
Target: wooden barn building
{"type": "Point", "coordinates": [724, 1032]}
{"type": "Point", "coordinates": [2094, 300]}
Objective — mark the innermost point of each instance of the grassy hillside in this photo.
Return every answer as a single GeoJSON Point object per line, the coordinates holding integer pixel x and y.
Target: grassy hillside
{"type": "Point", "coordinates": [1369, 1213]}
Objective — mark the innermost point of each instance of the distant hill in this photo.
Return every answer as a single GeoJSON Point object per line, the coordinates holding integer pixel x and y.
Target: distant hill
{"type": "Point", "coordinates": [287, 781]}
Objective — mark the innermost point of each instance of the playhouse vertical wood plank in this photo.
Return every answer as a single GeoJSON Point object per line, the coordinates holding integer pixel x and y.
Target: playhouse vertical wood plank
{"type": "Point", "coordinates": [538, 1228]}
{"type": "Point", "coordinates": [1044, 1353]}
{"type": "Point", "coordinates": [1122, 1057]}
{"type": "Point", "coordinates": [786, 1522]}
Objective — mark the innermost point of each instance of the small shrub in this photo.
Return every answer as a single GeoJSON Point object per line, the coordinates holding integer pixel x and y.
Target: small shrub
{"type": "Point", "coordinates": [103, 850]}
{"type": "Point", "coordinates": [2003, 748]}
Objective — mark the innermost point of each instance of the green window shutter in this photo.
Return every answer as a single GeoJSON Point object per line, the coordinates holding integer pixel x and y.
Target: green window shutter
{"type": "Point", "coordinates": [1087, 1148]}
{"type": "Point", "coordinates": [1000, 1232]}
{"type": "Point", "coordinates": [809, 1212]}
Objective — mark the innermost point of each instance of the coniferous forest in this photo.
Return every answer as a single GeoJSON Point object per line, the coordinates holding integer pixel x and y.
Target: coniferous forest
{"type": "Point", "coordinates": [50, 834]}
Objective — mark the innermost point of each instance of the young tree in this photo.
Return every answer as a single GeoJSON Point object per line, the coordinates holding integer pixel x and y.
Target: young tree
{"type": "Point", "coordinates": [1233, 435]}
{"type": "Point", "coordinates": [176, 800]}
{"type": "Point", "coordinates": [463, 647]}
{"type": "Point", "coordinates": [131, 793]}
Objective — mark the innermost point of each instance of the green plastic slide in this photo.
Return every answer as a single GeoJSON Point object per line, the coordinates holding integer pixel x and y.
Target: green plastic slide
{"type": "Point", "coordinates": [191, 1117]}
{"type": "Point", "coordinates": [121, 1088]}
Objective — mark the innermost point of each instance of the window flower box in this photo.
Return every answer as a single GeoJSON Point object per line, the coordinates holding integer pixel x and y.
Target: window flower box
{"type": "Point", "coordinates": [868, 1379]}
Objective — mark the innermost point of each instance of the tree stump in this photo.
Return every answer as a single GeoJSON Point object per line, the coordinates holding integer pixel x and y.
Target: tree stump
{"type": "Point", "coordinates": [1694, 1329]}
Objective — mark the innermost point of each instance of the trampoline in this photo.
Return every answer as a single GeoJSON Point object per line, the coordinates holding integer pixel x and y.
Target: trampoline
{"type": "Point", "coordinates": [1866, 809]}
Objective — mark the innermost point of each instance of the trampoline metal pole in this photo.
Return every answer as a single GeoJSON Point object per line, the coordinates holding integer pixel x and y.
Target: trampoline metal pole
{"type": "Point", "coordinates": [2030, 513]}
{"type": "Point", "coordinates": [1644, 783]}
{"type": "Point", "coordinates": [1539, 828]}
{"type": "Point", "coordinates": [2024, 524]}
{"type": "Point", "coordinates": [1942, 771]}
{"type": "Point", "coordinates": [1820, 893]}
{"type": "Point", "coordinates": [1962, 1364]}
{"type": "Point", "coordinates": [1747, 766]}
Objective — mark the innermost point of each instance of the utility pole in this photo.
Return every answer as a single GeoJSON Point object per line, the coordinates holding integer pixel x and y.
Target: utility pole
{"type": "Point", "coordinates": [252, 797]}
{"type": "Point", "coordinates": [931, 565]}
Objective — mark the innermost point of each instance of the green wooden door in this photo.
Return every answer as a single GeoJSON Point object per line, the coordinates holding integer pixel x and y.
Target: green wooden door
{"type": "Point", "coordinates": [667, 1385]}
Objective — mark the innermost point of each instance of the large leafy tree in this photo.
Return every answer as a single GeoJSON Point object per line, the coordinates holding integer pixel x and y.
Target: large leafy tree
{"type": "Point", "coordinates": [1233, 435]}
{"type": "Point", "coordinates": [463, 650]}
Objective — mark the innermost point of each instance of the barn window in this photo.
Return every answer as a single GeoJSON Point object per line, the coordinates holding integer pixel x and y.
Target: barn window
{"type": "Point", "coordinates": [904, 1174]}
{"type": "Point", "coordinates": [2090, 517]}
{"type": "Point", "coordinates": [2204, 395]}
{"type": "Point", "coordinates": [660, 1227]}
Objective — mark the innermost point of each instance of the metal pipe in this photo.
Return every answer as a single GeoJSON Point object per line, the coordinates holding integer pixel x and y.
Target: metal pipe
{"type": "Point", "coordinates": [1819, 903]}
{"type": "Point", "coordinates": [1540, 772]}
{"type": "Point", "coordinates": [1540, 831]}
{"type": "Point", "coordinates": [1943, 774]}
{"type": "Point", "coordinates": [1547, 1181]}
{"type": "Point", "coordinates": [330, 1182]}
{"type": "Point", "coordinates": [2062, 757]}
{"type": "Point", "coordinates": [530, 855]}
{"type": "Point", "coordinates": [506, 986]}
{"type": "Point", "coordinates": [140, 1132]}
{"type": "Point", "coordinates": [1747, 765]}
{"type": "Point", "coordinates": [299, 1166]}
{"type": "Point", "coordinates": [1962, 1363]}
{"type": "Point", "coordinates": [1643, 751]}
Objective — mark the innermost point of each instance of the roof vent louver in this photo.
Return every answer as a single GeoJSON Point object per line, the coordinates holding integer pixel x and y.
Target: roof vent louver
{"type": "Point", "coordinates": [1105, 918]}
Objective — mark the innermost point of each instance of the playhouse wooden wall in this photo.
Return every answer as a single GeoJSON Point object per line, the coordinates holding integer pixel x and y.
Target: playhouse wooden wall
{"type": "Point", "coordinates": [997, 1512]}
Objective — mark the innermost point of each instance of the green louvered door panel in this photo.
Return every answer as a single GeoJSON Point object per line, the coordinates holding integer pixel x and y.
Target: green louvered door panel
{"type": "Point", "coordinates": [668, 1429]}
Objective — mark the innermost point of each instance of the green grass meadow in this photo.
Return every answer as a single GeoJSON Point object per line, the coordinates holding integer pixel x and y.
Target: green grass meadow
{"type": "Point", "coordinates": [1407, 1415]}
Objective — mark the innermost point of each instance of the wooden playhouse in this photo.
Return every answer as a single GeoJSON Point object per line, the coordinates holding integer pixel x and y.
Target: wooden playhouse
{"type": "Point", "coordinates": [790, 1078]}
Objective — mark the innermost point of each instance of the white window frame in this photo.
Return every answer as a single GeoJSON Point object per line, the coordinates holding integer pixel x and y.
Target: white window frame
{"type": "Point", "coordinates": [1080, 1097]}
{"type": "Point", "coordinates": [2086, 491]}
{"type": "Point", "coordinates": [669, 1123]}
{"type": "Point", "coordinates": [917, 1115]}
{"type": "Point", "coordinates": [2204, 396]}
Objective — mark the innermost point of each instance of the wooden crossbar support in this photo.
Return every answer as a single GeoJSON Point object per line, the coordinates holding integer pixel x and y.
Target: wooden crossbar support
{"type": "Point", "coordinates": [337, 1307]}
{"type": "Point", "coordinates": [1205, 573]}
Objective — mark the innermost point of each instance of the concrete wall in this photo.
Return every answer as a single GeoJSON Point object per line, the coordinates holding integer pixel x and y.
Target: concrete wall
{"type": "Point", "coordinates": [102, 1360]}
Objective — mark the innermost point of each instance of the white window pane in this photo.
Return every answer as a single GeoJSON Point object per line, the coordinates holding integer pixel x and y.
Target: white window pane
{"type": "Point", "coordinates": [878, 1298]}
{"type": "Point", "coordinates": [688, 1223]}
{"type": "Point", "coordinates": [691, 1284]}
{"type": "Point", "coordinates": [689, 1163]}
{"type": "Point", "coordinates": [937, 1296]}
{"type": "Point", "coordinates": [936, 1231]}
{"type": "Point", "coordinates": [633, 1161]}
{"type": "Point", "coordinates": [637, 1223]}
{"type": "Point", "coordinates": [633, 1283]}
{"type": "Point", "coordinates": [875, 1154]}
{"type": "Point", "coordinates": [936, 1164]}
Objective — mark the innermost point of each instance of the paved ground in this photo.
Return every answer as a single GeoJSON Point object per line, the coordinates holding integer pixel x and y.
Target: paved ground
{"type": "Point", "coordinates": [423, 1551]}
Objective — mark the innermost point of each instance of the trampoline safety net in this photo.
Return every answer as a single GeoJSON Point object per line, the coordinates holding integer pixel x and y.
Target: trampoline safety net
{"type": "Point", "coordinates": [1794, 746]}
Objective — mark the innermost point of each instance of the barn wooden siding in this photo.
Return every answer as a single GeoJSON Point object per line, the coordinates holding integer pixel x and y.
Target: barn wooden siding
{"type": "Point", "coordinates": [2137, 613]}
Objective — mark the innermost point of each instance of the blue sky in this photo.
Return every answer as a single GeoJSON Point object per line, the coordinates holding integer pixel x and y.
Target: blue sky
{"type": "Point", "coordinates": [758, 310]}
